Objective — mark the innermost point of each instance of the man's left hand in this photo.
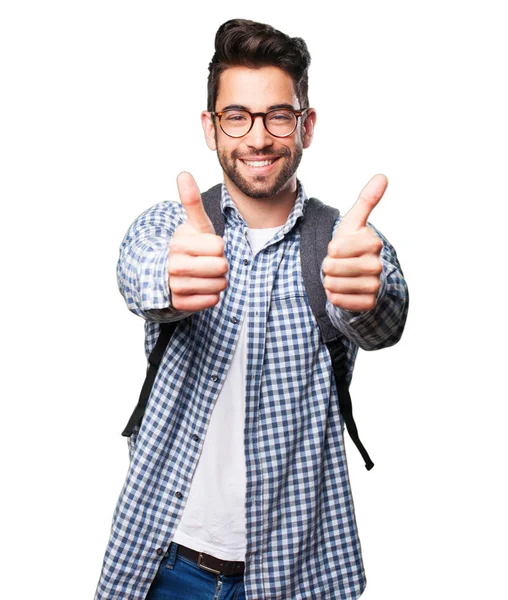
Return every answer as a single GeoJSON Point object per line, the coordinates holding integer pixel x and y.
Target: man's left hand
{"type": "Point", "coordinates": [352, 268]}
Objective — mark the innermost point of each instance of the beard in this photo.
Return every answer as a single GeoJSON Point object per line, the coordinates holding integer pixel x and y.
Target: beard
{"type": "Point", "coordinates": [258, 186]}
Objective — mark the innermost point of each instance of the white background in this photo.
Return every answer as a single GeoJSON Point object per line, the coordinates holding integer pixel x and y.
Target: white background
{"type": "Point", "coordinates": [100, 108]}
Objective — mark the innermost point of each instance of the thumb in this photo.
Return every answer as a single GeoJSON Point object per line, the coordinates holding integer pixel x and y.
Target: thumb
{"type": "Point", "coordinates": [192, 203]}
{"type": "Point", "coordinates": [359, 213]}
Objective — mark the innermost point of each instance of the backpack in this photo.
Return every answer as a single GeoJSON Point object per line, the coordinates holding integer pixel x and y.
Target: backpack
{"type": "Point", "coordinates": [316, 232]}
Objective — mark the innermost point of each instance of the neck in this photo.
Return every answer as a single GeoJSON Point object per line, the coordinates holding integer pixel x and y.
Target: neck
{"type": "Point", "coordinates": [263, 213]}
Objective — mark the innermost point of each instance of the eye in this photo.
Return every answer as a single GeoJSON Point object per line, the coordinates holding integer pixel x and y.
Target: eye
{"type": "Point", "coordinates": [235, 116]}
{"type": "Point", "coordinates": [280, 116]}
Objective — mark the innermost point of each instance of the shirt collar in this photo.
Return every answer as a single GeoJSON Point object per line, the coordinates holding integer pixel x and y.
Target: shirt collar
{"type": "Point", "coordinates": [233, 216]}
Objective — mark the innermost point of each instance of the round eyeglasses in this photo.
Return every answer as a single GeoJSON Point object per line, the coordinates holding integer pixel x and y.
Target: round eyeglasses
{"type": "Point", "coordinates": [280, 122]}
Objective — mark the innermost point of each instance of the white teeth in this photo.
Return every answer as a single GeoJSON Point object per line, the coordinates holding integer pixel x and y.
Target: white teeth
{"type": "Point", "coordinates": [258, 163]}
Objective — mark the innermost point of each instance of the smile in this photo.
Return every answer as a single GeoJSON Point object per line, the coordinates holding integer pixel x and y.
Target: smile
{"type": "Point", "coordinates": [259, 163]}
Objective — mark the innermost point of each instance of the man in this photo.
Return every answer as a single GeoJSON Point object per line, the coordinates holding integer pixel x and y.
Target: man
{"type": "Point", "coordinates": [238, 484]}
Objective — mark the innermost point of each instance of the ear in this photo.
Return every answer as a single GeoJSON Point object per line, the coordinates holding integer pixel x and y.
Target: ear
{"type": "Point", "coordinates": [308, 127]}
{"type": "Point", "coordinates": [209, 129]}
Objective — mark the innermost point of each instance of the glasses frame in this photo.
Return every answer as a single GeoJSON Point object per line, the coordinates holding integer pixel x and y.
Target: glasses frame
{"type": "Point", "coordinates": [297, 112]}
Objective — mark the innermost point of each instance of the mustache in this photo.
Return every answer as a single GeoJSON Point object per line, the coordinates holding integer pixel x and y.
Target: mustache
{"type": "Point", "coordinates": [282, 152]}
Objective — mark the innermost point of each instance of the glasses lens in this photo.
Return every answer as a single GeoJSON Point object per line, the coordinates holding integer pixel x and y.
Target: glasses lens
{"type": "Point", "coordinates": [280, 122]}
{"type": "Point", "coordinates": [235, 122]}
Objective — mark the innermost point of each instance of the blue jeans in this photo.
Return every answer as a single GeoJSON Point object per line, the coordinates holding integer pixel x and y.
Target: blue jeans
{"type": "Point", "coordinates": [179, 578]}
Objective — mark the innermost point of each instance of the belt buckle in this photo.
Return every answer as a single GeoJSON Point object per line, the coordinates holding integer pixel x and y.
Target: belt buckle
{"type": "Point", "coordinates": [202, 566]}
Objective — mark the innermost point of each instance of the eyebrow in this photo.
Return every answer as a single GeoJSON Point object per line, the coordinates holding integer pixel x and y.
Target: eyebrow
{"type": "Point", "coordinates": [272, 107]}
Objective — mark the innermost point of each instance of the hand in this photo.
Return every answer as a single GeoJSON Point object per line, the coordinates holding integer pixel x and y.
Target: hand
{"type": "Point", "coordinates": [352, 268]}
{"type": "Point", "coordinates": [197, 267]}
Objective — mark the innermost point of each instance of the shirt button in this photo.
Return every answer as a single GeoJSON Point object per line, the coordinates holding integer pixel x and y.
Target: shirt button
{"type": "Point", "coordinates": [179, 495]}
{"type": "Point", "coordinates": [234, 320]}
{"type": "Point", "coordinates": [245, 261]}
{"type": "Point", "coordinates": [214, 377]}
{"type": "Point", "coordinates": [160, 551]}
{"type": "Point", "coordinates": [195, 437]}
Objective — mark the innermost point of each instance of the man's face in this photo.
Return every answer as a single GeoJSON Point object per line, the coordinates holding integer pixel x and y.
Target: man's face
{"type": "Point", "coordinates": [258, 90]}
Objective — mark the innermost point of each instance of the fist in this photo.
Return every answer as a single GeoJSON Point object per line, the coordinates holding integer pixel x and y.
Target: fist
{"type": "Point", "coordinates": [197, 267]}
{"type": "Point", "coordinates": [352, 268]}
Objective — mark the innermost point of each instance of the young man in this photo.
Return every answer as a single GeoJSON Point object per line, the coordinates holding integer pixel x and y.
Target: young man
{"type": "Point", "coordinates": [238, 484]}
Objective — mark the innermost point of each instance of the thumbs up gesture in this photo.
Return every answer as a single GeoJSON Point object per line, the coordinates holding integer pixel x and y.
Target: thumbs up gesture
{"type": "Point", "coordinates": [352, 268]}
{"type": "Point", "coordinates": [197, 267]}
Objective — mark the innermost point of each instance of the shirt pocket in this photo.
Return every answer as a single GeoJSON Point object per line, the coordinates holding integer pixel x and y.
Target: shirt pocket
{"type": "Point", "coordinates": [292, 309]}
{"type": "Point", "coordinates": [292, 333]}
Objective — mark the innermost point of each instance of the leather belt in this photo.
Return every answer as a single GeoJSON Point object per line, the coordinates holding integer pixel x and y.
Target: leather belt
{"type": "Point", "coordinates": [212, 564]}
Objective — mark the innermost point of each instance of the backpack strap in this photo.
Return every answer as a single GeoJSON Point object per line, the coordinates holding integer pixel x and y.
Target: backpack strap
{"type": "Point", "coordinates": [212, 203]}
{"type": "Point", "coordinates": [154, 360]}
{"type": "Point", "coordinates": [316, 232]}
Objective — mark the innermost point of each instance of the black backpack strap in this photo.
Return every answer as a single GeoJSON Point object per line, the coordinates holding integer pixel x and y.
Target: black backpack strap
{"type": "Point", "coordinates": [154, 360]}
{"type": "Point", "coordinates": [316, 233]}
{"type": "Point", "coordinates": [338, 356]}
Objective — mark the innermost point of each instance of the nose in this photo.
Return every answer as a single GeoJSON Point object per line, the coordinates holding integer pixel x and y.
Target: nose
{"type": "Point", "coordinates": [258, 137]}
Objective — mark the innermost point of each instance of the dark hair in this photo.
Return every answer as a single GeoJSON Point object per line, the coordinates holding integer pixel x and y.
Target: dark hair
{"type": "Point", "coordinates": [240, 42]}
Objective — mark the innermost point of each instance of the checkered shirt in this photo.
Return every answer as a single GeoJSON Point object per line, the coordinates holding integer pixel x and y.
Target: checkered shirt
{"type": "Point", "coordinates": [301, 534]}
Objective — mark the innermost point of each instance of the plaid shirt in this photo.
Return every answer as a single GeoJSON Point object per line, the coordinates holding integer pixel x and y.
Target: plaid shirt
{"type": "Point", "coordinates": [301, 533]}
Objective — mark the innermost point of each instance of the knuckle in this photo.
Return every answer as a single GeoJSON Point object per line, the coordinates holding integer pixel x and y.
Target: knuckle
{"type": "Point", "coordinates": [378, 245]}
{"type": "Point", "coordinates": [179, 271]}
{"type": "Point", "coordinates": [224, 266]}
{"type": "Point", "coordinates": [176, 267]}
{"type": "Point", "coordinates": [219, 245]}
{"type": "Point", "coordinates": [176, 286]}
{"type": "Point", "coordinates": [175, 245]}
{"type": "Point", "coordinates": [212, 301]}
{"type": "Point", "coordinates": [172, 269]}
{"type": "Point", "coordinates": [333, 248]}
{"type": "Point", "coordinates": [332, 297]}
{"type": "Point", "coordinates": [332, 284]}
{"type": "Point", "coordinates": [374, 285]}
{"type": "Point", "coordinates": [376, 267]}
{"type": "Point", "coordinates": [179, 244]}
{"type": "Point", "coordinates": [176, 302]}
{"type": "Point", "coordinates": [369, 303]}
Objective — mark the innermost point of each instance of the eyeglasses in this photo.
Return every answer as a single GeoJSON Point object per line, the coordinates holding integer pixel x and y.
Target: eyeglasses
{"type": "Point", "coordinates": [280, 122]}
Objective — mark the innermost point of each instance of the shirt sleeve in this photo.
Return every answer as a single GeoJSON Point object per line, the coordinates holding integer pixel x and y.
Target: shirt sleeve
{"type": "Point", "coordinates": [142, 269]}
{"type": "Point", "coordinates": [383, 325]}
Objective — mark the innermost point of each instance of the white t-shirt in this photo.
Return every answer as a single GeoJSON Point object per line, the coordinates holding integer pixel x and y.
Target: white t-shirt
{"type": "Point", "coordinates": [213, 520]}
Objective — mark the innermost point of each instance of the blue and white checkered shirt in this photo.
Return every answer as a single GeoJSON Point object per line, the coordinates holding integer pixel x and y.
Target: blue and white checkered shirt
{"type": "Point", "coordinates": [301, 535]}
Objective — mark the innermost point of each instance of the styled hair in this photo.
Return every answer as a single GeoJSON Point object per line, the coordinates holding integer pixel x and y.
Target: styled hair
{"type": "Point", "coordinates": [240, 42]}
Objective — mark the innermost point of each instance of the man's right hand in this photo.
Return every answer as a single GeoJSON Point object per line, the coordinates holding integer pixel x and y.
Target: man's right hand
{"type": "Point", "coordinates": [197, 267]}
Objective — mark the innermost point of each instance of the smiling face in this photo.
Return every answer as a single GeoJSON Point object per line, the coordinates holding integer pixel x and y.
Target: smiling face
{"type": "Point", "coordinates": [258, 165]}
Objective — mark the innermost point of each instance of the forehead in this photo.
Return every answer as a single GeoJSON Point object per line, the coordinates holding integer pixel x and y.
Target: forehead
{"type": "Point", "coordinates": [256, 89]}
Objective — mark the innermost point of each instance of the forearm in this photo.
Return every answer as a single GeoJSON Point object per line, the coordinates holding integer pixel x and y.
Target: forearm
{"type": "Point", "coordinates": [142, 269]}
{"type": "Point", "coordinates": [383, 325]}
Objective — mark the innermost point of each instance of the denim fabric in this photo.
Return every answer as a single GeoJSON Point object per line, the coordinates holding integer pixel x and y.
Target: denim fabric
{"type": "Point", "coordinates": [179, 578]}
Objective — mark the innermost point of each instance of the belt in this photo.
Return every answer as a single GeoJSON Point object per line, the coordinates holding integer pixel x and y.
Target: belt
{"type": "Point", "coordinates": [212, 564]}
